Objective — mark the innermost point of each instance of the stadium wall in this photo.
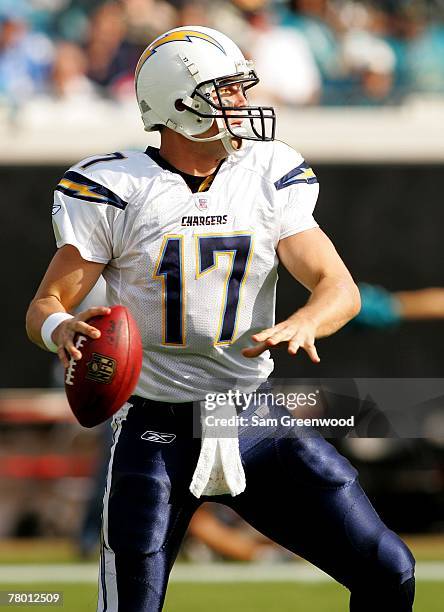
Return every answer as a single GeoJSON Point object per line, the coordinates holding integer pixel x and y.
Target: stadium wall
{"type": "Point", "coordinates": [385, 219]}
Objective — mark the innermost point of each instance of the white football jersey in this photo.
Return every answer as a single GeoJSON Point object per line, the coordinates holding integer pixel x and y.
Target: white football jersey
{"type": "Point", "coordinates": [196, 270]}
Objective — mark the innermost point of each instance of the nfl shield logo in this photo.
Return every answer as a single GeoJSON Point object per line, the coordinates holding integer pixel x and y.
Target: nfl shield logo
{"type": "Point", "coordinates": [202, 203]}
{"type": "Point", "coordinates": [101, 368]}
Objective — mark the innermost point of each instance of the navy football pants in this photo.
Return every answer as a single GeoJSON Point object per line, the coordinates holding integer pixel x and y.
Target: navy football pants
{"type": "Point", "coordinates": [300, 493]}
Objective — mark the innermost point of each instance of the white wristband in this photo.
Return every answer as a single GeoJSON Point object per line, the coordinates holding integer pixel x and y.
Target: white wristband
{"type": "Point", "coordinates": [49, 326]}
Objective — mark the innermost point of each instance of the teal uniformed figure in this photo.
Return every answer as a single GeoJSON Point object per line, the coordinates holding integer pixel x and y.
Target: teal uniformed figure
{"type": "Point", "coordinates": [381, 308]}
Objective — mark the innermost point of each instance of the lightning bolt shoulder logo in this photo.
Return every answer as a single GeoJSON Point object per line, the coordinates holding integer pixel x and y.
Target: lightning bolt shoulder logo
{"type": "Point", "coordinates": [301, 174]}
{"type": "Point", "coordinates": [176, 36]}
{"type": "Point", "coordinates": [78, 186]}
{"type": "Point", "coordinates": [157, 436]}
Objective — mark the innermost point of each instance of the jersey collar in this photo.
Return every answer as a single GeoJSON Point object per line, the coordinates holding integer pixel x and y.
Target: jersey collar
{"type": "Point", "coordinates": [194, 183]}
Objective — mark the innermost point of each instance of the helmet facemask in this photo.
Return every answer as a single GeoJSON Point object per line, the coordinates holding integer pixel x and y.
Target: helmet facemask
{"type": "Point", "coordinates": [207, 102]}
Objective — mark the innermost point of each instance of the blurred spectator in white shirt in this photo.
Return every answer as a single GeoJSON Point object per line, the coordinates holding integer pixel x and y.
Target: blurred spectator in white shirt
{"type": "Point", "coordinates": [318, 22]}
{"type": "Point", "coordinates": [367, 56]}
{"type": "Point", "coordinates": [285, 64]}
{"type": "Point", "coordinates": [68, 74]}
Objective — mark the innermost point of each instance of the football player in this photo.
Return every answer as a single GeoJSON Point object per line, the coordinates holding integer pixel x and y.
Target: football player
{"type": "Point", "coordinates": [188, 237]}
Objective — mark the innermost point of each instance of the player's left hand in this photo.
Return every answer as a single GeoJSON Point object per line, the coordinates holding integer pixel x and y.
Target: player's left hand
{"type": "Point", "coordinates": [298, 331]}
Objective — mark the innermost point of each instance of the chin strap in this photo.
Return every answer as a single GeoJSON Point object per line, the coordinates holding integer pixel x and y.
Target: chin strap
{"type": "Point", "coordinates": [197, 139]}
{"type": "Point", "coordinates": [228, 139]}
{"type": "Point", "coordinates": [223, 135]}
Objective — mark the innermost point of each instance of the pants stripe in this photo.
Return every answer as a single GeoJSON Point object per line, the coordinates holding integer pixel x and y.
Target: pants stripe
{"type": "Point", "coordinates": [108, 597]}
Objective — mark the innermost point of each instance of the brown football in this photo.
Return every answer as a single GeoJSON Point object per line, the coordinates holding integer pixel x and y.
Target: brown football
{"type": "Point", "coordinates": [103, 379]}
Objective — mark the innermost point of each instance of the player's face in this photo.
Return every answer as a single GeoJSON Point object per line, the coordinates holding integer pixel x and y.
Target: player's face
{"type": "Point", "coordinates": [231, 95]}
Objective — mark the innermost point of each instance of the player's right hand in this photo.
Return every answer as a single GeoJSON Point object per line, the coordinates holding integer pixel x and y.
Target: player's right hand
{"type": "Point", "coordinates": [63, 335]}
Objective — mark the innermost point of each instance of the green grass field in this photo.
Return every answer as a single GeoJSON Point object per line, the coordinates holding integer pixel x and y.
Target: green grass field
{"type": "Point", "coordinates": [239, 597]}
{"type": "Point", "coordinates": [259, 596]}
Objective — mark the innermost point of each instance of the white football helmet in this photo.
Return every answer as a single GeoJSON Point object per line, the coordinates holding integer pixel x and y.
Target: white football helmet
{"type": "Point", "coordinates": [178, 81]}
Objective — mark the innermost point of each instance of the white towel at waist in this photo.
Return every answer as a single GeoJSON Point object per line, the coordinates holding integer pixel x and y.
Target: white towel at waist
{"type": "Point", "coordinates": [219, 468]}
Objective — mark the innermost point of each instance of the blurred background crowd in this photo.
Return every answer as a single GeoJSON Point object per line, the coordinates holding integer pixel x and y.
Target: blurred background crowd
{"type": "Point", "coordinates": [307, 52]}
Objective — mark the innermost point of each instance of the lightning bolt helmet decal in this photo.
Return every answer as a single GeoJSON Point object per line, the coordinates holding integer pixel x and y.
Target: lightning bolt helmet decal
{"type": "Point", "coordinates": [175, 36]}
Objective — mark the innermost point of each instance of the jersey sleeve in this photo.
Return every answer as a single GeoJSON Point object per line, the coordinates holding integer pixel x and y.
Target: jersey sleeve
{"type": "Point", "coordinates": [84, 212]}
{"type": "Point", "coordinates": [297, 189]}
{"type": "Point", "coordinates": [300, 199]}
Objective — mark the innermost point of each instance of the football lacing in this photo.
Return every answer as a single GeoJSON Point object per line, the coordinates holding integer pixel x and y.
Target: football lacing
{"type": "Point", "coordinates": [72, 362]}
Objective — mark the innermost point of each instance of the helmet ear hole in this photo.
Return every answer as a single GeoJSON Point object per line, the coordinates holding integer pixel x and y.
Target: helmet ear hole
{"type": "Point", "coordinates": [179, 105]}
